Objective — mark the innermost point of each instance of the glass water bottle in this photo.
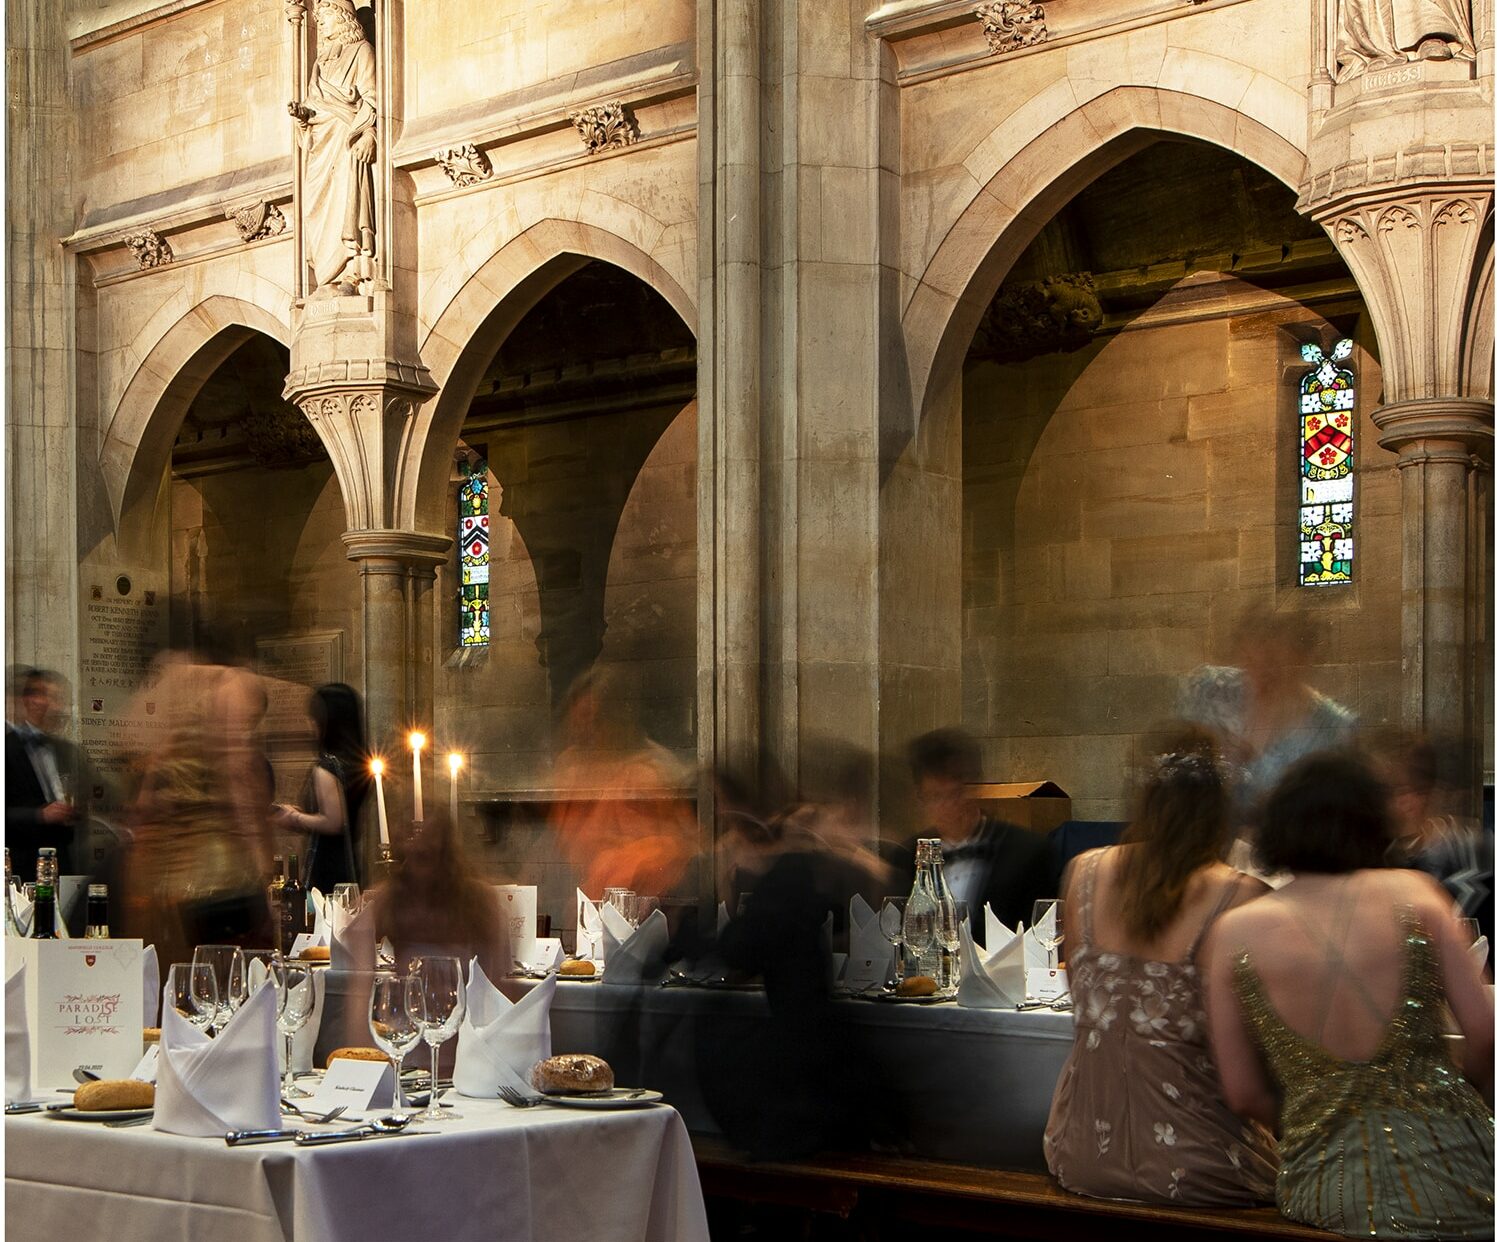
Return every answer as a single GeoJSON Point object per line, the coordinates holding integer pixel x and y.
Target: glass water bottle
{"type": "Point", "coordinates": [920, 917]}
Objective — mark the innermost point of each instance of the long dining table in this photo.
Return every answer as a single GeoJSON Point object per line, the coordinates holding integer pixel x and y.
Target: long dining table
{"type": "Point", "coordinates": [498, 1173]}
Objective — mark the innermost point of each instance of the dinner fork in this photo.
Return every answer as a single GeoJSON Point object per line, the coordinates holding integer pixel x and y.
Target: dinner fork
{"type": "Point", "coordinates": [331, 1115]}
{"type": "Point", "coordinates": [516, 1099]}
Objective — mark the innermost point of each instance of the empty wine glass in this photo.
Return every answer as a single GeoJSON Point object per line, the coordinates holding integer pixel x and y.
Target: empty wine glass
{"type": "Point", "coordinates": [194, 992]}
{"type": "Point", "coordinates": [950, 915]}
{"type": "Point", "coordinates": [1048, 929]}
{"type": "Point", "coordinates": [394, 1006]}
{"type": "Point", "coordinates": [891, 923]}
{"type": "Point", "coordinates": [296, 1001]}
{"type": "Point", "coordinates": [644, 907]}
{"type": "Point", "coordinates": [442, 1001]}
{"type": "Point", "coordinates": [226, 961]}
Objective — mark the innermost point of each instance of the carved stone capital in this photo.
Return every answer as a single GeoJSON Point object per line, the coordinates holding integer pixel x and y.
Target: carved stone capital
{"type": "Point", "coordinates": [605, 126]}
{"type": "Point", "coordinates": [396, 551]}
{"type": "Point", "coordinates": [149, 248]}
{"type": "Point", "coordinates": [1444, 429]}
{"type": "Point", "coordinates": [464, 165]}
{"type": "Point", "coordinates": [1009, 25]}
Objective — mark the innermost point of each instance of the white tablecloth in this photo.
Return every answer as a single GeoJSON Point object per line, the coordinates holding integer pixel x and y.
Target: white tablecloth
{"type": "Point", "coordinates": [535, 1175]}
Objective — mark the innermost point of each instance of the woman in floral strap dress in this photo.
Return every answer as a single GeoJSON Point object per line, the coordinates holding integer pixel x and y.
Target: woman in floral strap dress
{"type": "Point", "coordinates": [1138, 1112]}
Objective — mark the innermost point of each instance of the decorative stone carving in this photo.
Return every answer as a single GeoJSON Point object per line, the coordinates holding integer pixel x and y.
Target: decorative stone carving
{"type": "Point", "coordinates": [1012, 24]}
{"type": "Point", "coordinates": [1381, 34]}
{"type": "Point", "coordinates": [464, 165]}
{"type": "Point", "coordinates": [280, 437]}
{"type": "Point", "coordinates": [336, 127]}
{"type": "Point", "coordinates": [257, 220]}
{"type": "Point", "coordinates": [605, 126]}
{"type": "Point", "coordinates": [149, 248]}
{"type": "Point", "coordinates": [1058, 314]}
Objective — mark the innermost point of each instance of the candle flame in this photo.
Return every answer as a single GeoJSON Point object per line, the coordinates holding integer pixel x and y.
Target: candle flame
{"type": "Point", "coordinates": [418, 740]}
{"type": "Point", "coordinates": [377, 766]}
{"type": "Point", "coordinates": [454, 762]}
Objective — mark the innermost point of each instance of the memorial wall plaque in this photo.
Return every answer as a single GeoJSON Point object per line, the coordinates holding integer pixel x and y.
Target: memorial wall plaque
{"type": "Point", "coordinates": [294, 665]}
{"type": "Point", "coordinates": [124, 625]}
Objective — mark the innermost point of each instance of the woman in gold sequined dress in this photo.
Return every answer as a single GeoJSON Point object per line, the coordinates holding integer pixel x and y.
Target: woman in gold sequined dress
{"type": "Point", "coordinates": [1328, 1007]}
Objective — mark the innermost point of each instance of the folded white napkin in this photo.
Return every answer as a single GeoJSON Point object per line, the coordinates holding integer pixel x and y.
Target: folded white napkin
{"type": "Point", "coordinates": [995, 979]}
{"type": "Point", "coordinates": [352, 943]}
{"type": "Point", "coordinates": [589, 929]}
{"type": "Point", "coordinates": [151, 978]}
{"type": "Point", "coordinates": [865, 936]}
{"type": "Point", "coordinates": [1479, 952]}
{"type": "Point", "coordinates": [17, 1040]}
{"type": "Point", "coordinates": [722, 916]}
{"type": "Point", "coordinates": [211, 1086]}
{"type": "Point", "coordinates": [499, 1041]}
{"type": "Point", "coordinates": [634, 956]}
{"type": "Point", "coordinates": [322, 929]}
{"type": "Point", "coordinates": [304, 1041]}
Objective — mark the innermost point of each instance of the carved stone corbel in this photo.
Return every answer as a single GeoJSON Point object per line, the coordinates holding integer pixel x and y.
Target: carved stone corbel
{"type": "Point", "coordinates": [1012, 24]}
{"type": "Point", "coordinates": [606, 126]}
{"type": "Point", "coordinates": [256, 221]}
{"type": "Point", "coordinates": [149, 248]}
{"type": "Point", "coordinates": [464, 165]}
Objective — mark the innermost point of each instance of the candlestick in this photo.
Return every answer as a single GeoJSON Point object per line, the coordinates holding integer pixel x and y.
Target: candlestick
{"type": "Point", "coordinates": [418, 740]}
{"type": "Point", "coordinates": [454, 765]}
{"type": "Point", "coordinates": [377, 768]}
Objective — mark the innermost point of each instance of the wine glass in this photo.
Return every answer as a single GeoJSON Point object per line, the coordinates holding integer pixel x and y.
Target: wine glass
{"type": "Point", "coordinates": [644, 907]}
{"type": "Point", "coordinates": [226, 961]}
{"type": "Point", "coordinates": [442, 1001]}
{"type": "Point", "coordinates": [891, 923]}
{"type": "Point", "coordinates": [194, 992]}
{"type": "Point", "coordinates": [949, 919]}
{"type": "Point", "coordinates": [1048, 929]}
{"type": "Point", "coordinates": [394, 1003]}
{"type": "Point", "coordinates": [296, 1001]}
{"type": "Point", "coordinates": [920, 911]}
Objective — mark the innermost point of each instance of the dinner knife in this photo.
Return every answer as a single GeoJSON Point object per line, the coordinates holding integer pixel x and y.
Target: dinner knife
{"type": "Point", "coordinates": [242, 1138]}
{"type": "Point", "coordinates": [309, 1139]}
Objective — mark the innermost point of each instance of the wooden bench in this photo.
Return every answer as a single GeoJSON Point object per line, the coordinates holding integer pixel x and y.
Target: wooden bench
{"type": "Point", "coordinates": [878, 1193]}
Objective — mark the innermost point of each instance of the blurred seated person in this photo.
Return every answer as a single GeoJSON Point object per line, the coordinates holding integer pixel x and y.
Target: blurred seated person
{"type": "Point", "coordinates": [1138, 1112]}
{"type": "Point", "coordinates": [40, 773]}
{"type": "Point", "coordinates": [434, 903]}
{"type": "Point", "coordinates": [987, 862]}
{"type": "Point", "coordinates": [1454, 849]}
{"type": "Point", "coordinates": [1326, 1002]}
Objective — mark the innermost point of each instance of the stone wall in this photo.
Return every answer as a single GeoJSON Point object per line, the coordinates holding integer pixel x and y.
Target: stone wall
{"type": "Point", "coordinates": [1124, 506]}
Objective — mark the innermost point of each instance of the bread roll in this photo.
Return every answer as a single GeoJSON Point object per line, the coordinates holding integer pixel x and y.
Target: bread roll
{"type": "Point", "coordinates": [110, 1095]}
{"type": "Point", "coordinates": [571, 1073]}
{"type": "Point", "coordinates": [317, 953]}
{"type": "Point", "coordinates": [916, 985]}
{"type": "Point", "coordinates": [356, 1054]}
{"type": "Point", "coordinates": [581, 970]}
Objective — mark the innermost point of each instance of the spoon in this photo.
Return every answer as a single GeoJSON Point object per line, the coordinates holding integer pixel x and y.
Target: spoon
{"type": "Point", "coordinates": [81, 1075]}
{"type": "Point", "coordinates": [393, 1123]}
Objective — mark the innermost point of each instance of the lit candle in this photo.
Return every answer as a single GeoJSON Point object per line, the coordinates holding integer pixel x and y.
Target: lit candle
{"type": "Point", "coordinates": [454, 766]}
{"type": "Point", "coordinates": [377, 767]}
{"type": "Point", "coordinates": [418, 740]}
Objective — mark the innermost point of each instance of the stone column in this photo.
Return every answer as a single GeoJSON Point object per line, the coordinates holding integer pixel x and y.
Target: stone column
{"type": "Point", "coordinates": [1418, 256]}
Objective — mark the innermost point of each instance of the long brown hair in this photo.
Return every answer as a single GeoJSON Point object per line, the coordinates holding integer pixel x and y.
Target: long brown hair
{"type": "Point", "coordinates": [1180, 826]}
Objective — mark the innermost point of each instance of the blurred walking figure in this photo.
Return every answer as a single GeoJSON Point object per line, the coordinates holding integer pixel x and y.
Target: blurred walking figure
{"type": "Point", "coordinates": [41, 776]}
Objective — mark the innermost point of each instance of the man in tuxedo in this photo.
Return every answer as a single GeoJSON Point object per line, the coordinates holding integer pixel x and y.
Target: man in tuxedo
{"type": "Point", "coordinates": [38, 767]}
{"type": "Point", "coordinates": [986, 861]}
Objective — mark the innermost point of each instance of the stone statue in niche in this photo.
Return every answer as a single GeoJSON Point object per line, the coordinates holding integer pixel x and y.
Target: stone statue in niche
{"type": "Point", "coordinates": [1379, 34]}
{"type": "Point", "coordinates": [336, 126]}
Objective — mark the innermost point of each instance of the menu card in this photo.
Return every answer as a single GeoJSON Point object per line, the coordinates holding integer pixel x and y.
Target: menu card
{"type": "Point", "coordinates": [83, 1005]}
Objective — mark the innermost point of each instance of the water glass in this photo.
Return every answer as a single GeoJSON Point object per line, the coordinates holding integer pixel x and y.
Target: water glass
{"type": "Point", "coordinates": [296, 1002]}
{"type": "Point", "coordinates": [442, 1001]}
{"type": "Point", "coordinates": [347, 899]}
{"type": "Point", "coordinates": [644, 907]}
{"type": "Point", "coordinates": [891, 923]}
{"type": "Point", "coordinates": [1048, 929]}
{"type": "Point", "coordinates": [193, 992]}
{"type": "Point", "coordinates": [394, 1021]}
{"type": "Point", "coordinates": [621, 899]}
{"type": "Point", "coordinates": [949, 919]}
{"type": "Point", "coordinates": [226, 961]}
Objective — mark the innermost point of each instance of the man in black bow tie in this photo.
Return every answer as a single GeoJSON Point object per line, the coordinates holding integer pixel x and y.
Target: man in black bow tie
{"type": "Point", "coordinates": [986, 861]}
{"type": "Point", "coordinates": [38, 770]}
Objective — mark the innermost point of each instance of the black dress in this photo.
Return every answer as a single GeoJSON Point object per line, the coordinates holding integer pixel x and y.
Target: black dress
{"type": "Point", "coordinates": [330, 857]}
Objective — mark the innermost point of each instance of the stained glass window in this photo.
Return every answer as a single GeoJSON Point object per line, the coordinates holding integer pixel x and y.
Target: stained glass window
{"type": "Point", "coordinates": [473, 555]}
{"type": "Point", "coordinates": [1327, 399]}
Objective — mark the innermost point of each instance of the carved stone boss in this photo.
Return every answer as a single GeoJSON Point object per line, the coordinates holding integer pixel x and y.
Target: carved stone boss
{"type": "Point", "coordinates": [464, 165]}
{"type": "Point", "coordinates": [149, 248]}
{"type": "Point", "coordinates": [606, 126]}
{"type": "Point", "coordinates": [1012, 24]}
{"type": "Point", "coordinates": [257, 220]}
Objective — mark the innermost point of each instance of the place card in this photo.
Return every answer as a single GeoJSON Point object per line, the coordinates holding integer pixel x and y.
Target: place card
{"type": "Point", "coordinates": [146, 1070]}
{"type": "Point", "coordinates": [307, 940]}
{"type": "Point", "coordinates": [1046, 985]}
{"type": "Point", "coordinates": [358, 1085]}
{"type": "Point", "coordinates": [865, 972]}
